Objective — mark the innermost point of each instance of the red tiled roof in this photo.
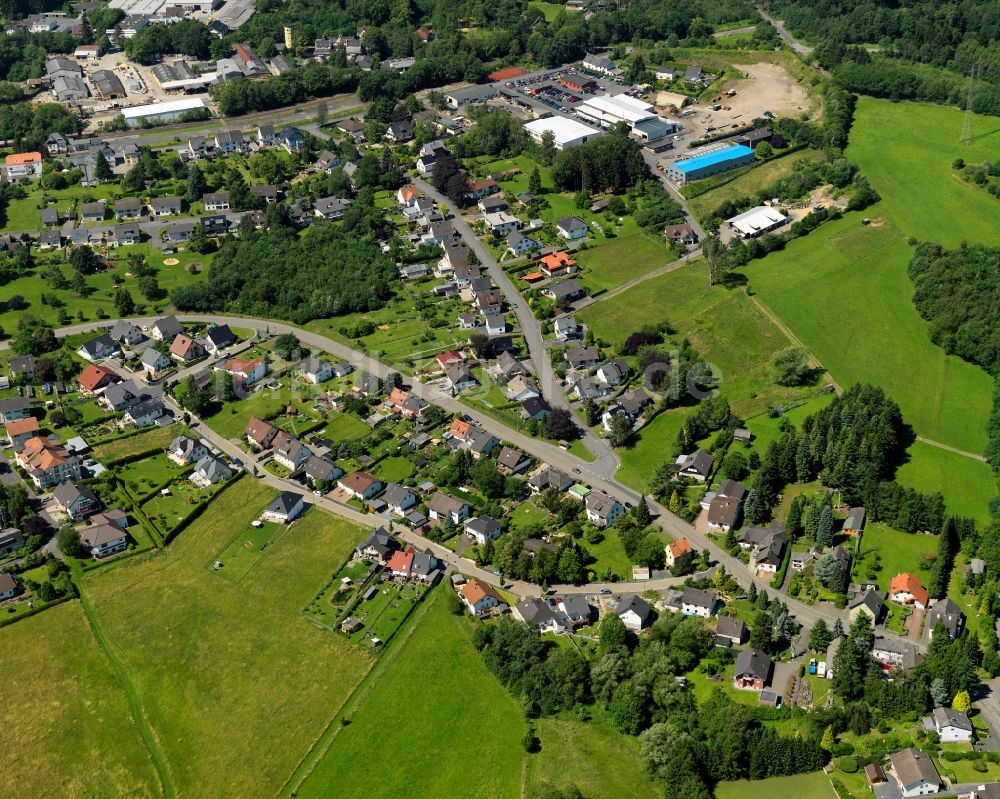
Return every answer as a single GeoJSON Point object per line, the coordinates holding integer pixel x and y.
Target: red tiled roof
{"type": "Point", "coordinates": [907, 582]}
{"type": "Point", "coordinates": [507, 74]}
{"type": "Point", "coordinates": [93, 375]}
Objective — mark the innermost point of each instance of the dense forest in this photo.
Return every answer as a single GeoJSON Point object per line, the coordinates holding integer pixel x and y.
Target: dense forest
{"type": "Point", "coordinates": [326, 272]}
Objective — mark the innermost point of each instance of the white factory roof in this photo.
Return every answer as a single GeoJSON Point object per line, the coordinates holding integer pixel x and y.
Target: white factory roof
{"type": "Point", "coordinates": [168, 107]}
{"type": "Point", "coordinates": [616, 109]}
{"type": "Point", "coordinates": [563, 130]}
{"type": "Point", "coordinates": [751, 222]}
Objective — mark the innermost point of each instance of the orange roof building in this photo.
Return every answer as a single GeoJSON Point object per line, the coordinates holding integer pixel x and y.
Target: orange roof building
{"type": "Point", "coordinates": [557, 263]}
{"type": "Point", "coordinates": [22, 159]}
{"type": "Point", "coordinates": [47, 462]}
{"type": "Point", "coordinates": [907, 589]}
{"type": "Point", "coordinates": [401, 562]}
{"type": "Point", "coordinates": [22, 426]}
{"type": "Point", "coordinates": [459, 429]}
{"type": "Point", "coordinates": [676, 549]}
{"type": "Point", "coordinates": [507, 74]}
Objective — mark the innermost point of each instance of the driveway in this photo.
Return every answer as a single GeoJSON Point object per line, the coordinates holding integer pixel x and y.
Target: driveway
{"type": "Point", "coordinates": [987, 701]}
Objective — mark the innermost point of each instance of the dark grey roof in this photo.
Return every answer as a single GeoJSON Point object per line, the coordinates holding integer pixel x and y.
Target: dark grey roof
{"type": "Point", "coordinates": [284, 502]}
{"type": "Point", "coordinates": [635, 603]}
{"type": "Point", "coordinates": [395, 495]}
{"type": "Point", "coordinates": [380, 541]}
{"type": "Point", "coordinates": [946, 717]}
{"type": "Point", "coordinates": [700, 462]}
{"type": "Point", "coordinates": [698, 598]}
{"type": "Point", "coordinates": [145, 407]}
{"type": "Point", "coordinates": [483, 525]}
{"type": "Point", "coordinates": [67, 493]}
{"type": "Point", "coordinates": [95, 345]}
{"type": "Point", "coordinates": [946, 612]}
{"type": "Point", "coordinates": [220, 335]}
{"type": "Point", "coordinates": [730, 627]}
{"type": "Point", "coordinates": [753, 662]}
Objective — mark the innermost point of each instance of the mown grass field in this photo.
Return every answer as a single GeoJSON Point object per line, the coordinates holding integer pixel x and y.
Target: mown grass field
{"type": "Point", "coordinates": [235, 684]}
{"type": "Point", "coordinates": [966, 484]}
{"type": "Point", "coordinates": [622, 260]}
{"type": "Point", "coordinates": [844, 291]}
{"type": "Point", "coordinates": [157, 438]}
{"type": "Point", "coordinates": [649, 447]}
{"type": "Point", "coordinates": [898, 551]}
{"type": "Point", "coordinates": [802, 786]}
{"type": "Point", "coordinates": [913, 174]}
{"type": "Point", "coordinates": [440, 722]}
{"type": "Point", "coordinates": [593, 757]}
{"type": "Point", "coordinates": [65, 726]}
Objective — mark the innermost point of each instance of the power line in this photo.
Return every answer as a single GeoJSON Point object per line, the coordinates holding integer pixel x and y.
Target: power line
{"type": "Point", "coordinates": [974, 77]}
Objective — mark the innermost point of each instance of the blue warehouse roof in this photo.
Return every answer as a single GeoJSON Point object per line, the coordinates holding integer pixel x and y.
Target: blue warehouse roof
{"type": "Point", "coordinates": [710, 159]}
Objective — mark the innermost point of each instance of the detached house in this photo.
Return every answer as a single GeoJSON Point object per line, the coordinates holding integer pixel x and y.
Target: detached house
{"type": "Point", "coordinates": [906, 589]}
{"type": "Point", "coordinates": [602, 509]}
{"type": "Point", "coordinates": [482, 529]}
{"type": "Point", "coordinates": [165, 206]}
{"type": "Point", "coordinates": [289, 451]}
{"type": "Point", "coordinates": [47, 462]}
{"type": "Point", "coordinates": [77, 501]}
{"type": "Point", "coordinates": [105, 537]}
{"type": "Point", "coordinates": [360, 485]}
{"type": "Point", "coordinates": [285, 508]}
{"type": "Point", "coordinates": [218, 337]}
{"type": "Point", "coordinates": [165, 329]}
{"type": "Point", "coordinates": [209, 471]}
{"type": "Point", "coordinates": [186, 349]}
{"type": "Point", "coordinates": [184, 450]}
{"type": "Point", "coordinates": [144, 413]}
{"type": "Point", "coordinates": [571, 228]}
{"type": "Point", "coordinates": [246, 372]}
{"type": "Point", "coordinates": [260, 434]}
{"type": "Point", "coordinates": [676, 549]}
{"type": "Point", "coordinates": [94, 378]}
{"type": "Point", "coordinates": [316, 370]}
{"type": "Point", "coordinates": [442, 507]}
{"type": "Point", "coordinates": [154, 362]}
{"type": "Point", "coordinates": [915, 773]}
{"type": "Point", "coordinates": [635, 612]}
{"type": "Point", "coordinates": [480, 598]}
{"type": "Point", "coordinates": [696, 602]}
{"type": "Point", "coordinates": [99, 348]}
{"type": "Point", "coordinates": [378, 547]}
{"type": "Point", "coordinates": [753, 670]}
{"type": "Point", "coordinates": [952, 726]}
{"type": "Point", "coordinates": [399, 498]}
{"type": "Point", "coordinates": [512, 461]}
{"type": "Point", "coordinates": [697, 465]}
{"type": "Point", "coordinates": [946, 612]}
{"type": "Point", "coordinates": [216, 201]}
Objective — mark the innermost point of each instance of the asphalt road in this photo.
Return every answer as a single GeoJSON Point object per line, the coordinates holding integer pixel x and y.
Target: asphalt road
{"type": "Point", "coordinates": [791, 41]}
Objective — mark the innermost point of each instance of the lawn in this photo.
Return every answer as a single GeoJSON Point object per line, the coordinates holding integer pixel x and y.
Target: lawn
{"type": "Point", "coordinates": [844, 291]}
{"type": "Point", "coordinates": [169, 510]}
{"type": "Point", "coordinates": [146, 475]}
{"type": "Point", "coordinates": [898, 552]}
{"type": "Point", "coordinates": [215, 664]}
{"type": "Point", "coordinates": [621, 260]}
{"type": "Point", "coordinates": [247, 547]}
{"type": "Point", "coordinates": [344, 427]}
{"type": "Point", "coordinates": [66, 729]}
{"type": "Point", "coordinates": [609, 555]}
{"type": "Point", "coordinates": [550, 10]}
{"type": "Point", "coordinates": [913, 173]}
{"type": "Point", "coordinates": [747, 184]}
{"type": "Point", "coordinates": [527, 514]}
{"type": "Point", "coordinates": [394, 469]}
{"type": "Point", "coordinates": [150, 441]}
{"type": "Point", "coordinates": [231, 419]}
{"type": "Point", "coordinates": [592, 757]}
{"type": "Point", "coordinates": [429, 711]}
{"type": "Point", "coordinates": [724, 325]}
{"type": "Point", "coordinates": [801, 786]}
{"type": "Point", "coordinates": [650, 447]}
{"type": "Point", "coordinates": [384, 613]}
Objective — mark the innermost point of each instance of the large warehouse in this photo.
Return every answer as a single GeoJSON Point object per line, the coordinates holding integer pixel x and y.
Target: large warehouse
{"type": "Point", "coordinates": [566, 133]}
{"type": "Point", "coordinates": [712, 163]}
{"type": "Point", "coordinates": [161, 112]}
{"type": "Point", "coordinates": [639, 116]}
{"type": "Point", "coordinates": [757, 221]}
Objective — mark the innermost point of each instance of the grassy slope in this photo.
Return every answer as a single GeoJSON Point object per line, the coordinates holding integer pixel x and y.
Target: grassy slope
{"type": "Point", "coordinates": [578, 753]}
{"type": "Point", "coordinates": [801, 786]}
{"type": "Point", "coordinates": [967, 484]}
{"type": "Point", "coordinates": [899, 552]}
{"type": "Point", "coordinates": [217, 664]}
{"type": "Point", "coordinates": [912, 171]}
{"type": "Point", "coordinates": [845, 292]}
{"type": "Point", "coordinates": [66, 729]}
{"type": "Point", "coordinates": [443, 725]}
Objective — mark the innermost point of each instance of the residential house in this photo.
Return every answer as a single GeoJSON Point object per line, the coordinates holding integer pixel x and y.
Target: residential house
{"type": "Point", "coordinates": [518, 244]}
{"type": "Point", "coordinates": [557, 264]}
{"type": "Point", "coordinates": [331, 208]}
{"type": "Point", "coordinates": [11, 540]}
{"type": "Point", "coordinates": [602, 509]}
{"type": "Point", "coordinates": [218, 337]}
{"type": "Point", "coordinates": [184, 450]}
{"type": "Point", "coordinates": [508, 366]}
{"type": "Point", "coordinates": [210, 470]}
{"type": "Point", "coordinates": [360, 485]}
{"type": "Point", "coordinates": [378, 546]}
{"type": "Point", "coordinates": [869, 602]}
{"type": "Point", "coordinates": [268, 193]}
{"type": "Point", "coordinates": [442, 507]}
{"type": "Point", "coordinates": [98, 348]}
{"type": "Point", "coordinates": [407, 195]}
{"type": "Point", "coordinates": [289, 451]}
{"type": "Point", "coordinates": [541, 613]}
{"type": "Point", "coordinates": [77, 501]}
{"type": "Point", "coordinates": [576, 610]}
{"type": "Point", "coordinates": [697, 465]}
{"type": "Point", "coordinates": [246, 371]}
{"type": "Point", "coordinates": [13, 409]}
{"type": "Point", "coordinates": [105, 537]}
{"type": "Point", "coordinates": [613, 372]}
{"type": "Point", "coordinates": [124, 236]}
{"type": "Point", "coordinates": [154, 362]}
{"type": "Point", "coordinates": [730, 631]}
{"type": "Point", "coordinates": [50, 240]}
{"type": "Point", "coordinates": [906, 589]}
{"type": "Point", "coordinates": [952, 726]}
{"type": "Point", "coordinates": [165, 329]}
{"type": "Point", "coordinates": [22, 368]}
{"type": "Point", "coordinates": [229, 141]}
{"type": "Point", "coordinates": [482, 529]}
{"type": "Point", "coordinates": [563, 291]}
{"type": "Point", "coordinates": [512, 461]}
{"type": "Point", "coordinates": [501, 223]}
{"type": "Point", "coordinates": [165, 206]}
{"type": "Point", "coordinates": [128, 208]}
{"type": "Point", "coordinates": [566, 328]}
{"type": "Point", "coordinates": [492, 204]}
{"type": "Point", "coordinates": [291, 139]}
{"type": "Point", "coordinates": [770, 550]}
{"type": "Point", "coordinates": [144, 413]}
{"type": "Point", "coordinates": [582, 357]}
{"type": "Point", "coordinates": [94, 378]}
{"type": "Point", "coordinates": [399, 498]}
{"type": "Point", "coordinates": [855, 521]}
{"type": "Point", "coordinates": [893, 653]}
{"type": "Point", "coordinates": [186, 349]}
{"type": "Point", "coordinates": [400, 131]}
{"type": "Point", "coordinates": [752, 670]}
{"type": "Point", "coordinates": [460, 378]}
{"type": "Point", "coordinates": [318, 470]}
{"type": "Point", "coordinates": [571, 228]}
{"type": "Point", "coordinates": [327, 161]}
{"type": "Point", "coordinates": [946, 612]}
{"type": "Point", "coordinates": [723, 514]}
{"type": "Point", "coordinates": [368, 384]}
{"type": "Point", "coordinates": [549, 478]}
{"type": "Point", "coordinates": [915, 773]}
{"type": "Point", "coordinates": [680, 234]}
{"type": "Point", "coordinates": [477, 189]}
{"type": "Point", "coordinates": [20, 431]}
{"type": "Point", "coordinates": [480, 442]}
{"type": "Point", "coordinates": [285, 508]}
{"type": "Point", "coordinates": [599, 63]}
{"type": "Point", "coordinates": [24, 165]}
{"type": "Point", "coordinates": [635, 612]}
{"type": "Point", "coordinates": [316, 370]}
{"type": "Point", "coordinates": [677, 549]}
{"type": "Point", "coordinates": [520, 388]}
{"type": "Point", "coordinates": [696, 602]}
{"type": "Point", "coordinates": [480, 598]}
{"type": "Point", "coordinates": [47, 462]}
{"type": "Point", "coordinates": [215, 201]}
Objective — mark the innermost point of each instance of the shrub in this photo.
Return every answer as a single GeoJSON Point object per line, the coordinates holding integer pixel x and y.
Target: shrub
{"type": "Point", "coordinates": [849, 765]}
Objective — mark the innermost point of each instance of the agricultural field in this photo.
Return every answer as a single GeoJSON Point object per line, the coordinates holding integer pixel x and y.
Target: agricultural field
{"type": "Point", "coordinates": [67, 729]}
{"type": "Point", "coordinates": [439, 683]}
{"type": "Point", "coordinates": [913, 174]}
{"type": "Point", "coordinates": [883, 340]}
{"type": "Point", "coordinates": [801, 786]}
{"type": "Point", "coordinates": [197, 648]}
{"type": "Point", "coordinates": [621, 260]}
{"type": "Point", "coordinates": [579, 753]}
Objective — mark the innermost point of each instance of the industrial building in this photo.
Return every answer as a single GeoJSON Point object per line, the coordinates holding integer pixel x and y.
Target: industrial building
{"type": "Point", "coordinates": [566, 133]}
{"type": "Point", "coordinates": [639, 116]}
{"type": "Point", "coordinates": [456, 98]}
{"type": "Point", "coordinates": [107, 85]}
{"type": "Point", "coordinates": [756, 222]}
{"type": "Point", "coordinates": [162, 112]}
{"type": "Point", "coordinates": [713, 163]}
